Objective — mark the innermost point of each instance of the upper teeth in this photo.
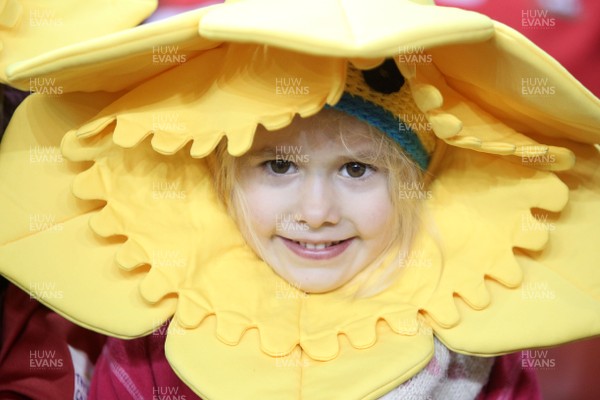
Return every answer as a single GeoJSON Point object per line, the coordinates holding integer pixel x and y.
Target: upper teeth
{"type": "Point", "coordinates": [317, 246]}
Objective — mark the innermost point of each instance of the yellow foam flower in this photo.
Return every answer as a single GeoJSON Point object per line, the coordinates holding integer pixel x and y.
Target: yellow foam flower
{"type": "Point", "coordinates": [124, 224]}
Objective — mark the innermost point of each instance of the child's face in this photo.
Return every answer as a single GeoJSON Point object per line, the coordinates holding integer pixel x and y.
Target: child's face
{"type": "Point", "coordinates": [318, 216]}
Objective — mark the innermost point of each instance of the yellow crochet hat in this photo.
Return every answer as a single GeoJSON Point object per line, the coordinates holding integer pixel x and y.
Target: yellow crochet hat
{"type": "Point", "coordinates": [380, 97]}
{"type": "Point", "coordinates": [112, 172]}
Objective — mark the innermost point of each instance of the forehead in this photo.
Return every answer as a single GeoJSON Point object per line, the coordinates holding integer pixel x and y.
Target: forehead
{"type": "Point", "coordinates": [328, 130]}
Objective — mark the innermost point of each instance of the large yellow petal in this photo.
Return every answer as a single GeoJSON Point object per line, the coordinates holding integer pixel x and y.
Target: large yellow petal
{"type": "Point", "coordinates": [31, 27]}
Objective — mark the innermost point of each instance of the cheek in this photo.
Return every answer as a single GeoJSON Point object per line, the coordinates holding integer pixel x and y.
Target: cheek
{"type": "Point", "coordinates": [373, 214]}
{"type": "Point", "coordinates": [263, 205]}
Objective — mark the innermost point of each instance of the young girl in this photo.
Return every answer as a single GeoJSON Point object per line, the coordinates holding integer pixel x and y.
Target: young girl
{"type": "Point", "coordinates": [376, 202]}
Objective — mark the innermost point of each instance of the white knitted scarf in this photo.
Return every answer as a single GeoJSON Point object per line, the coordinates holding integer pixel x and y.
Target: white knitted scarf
{"type": "Point", "coordinates": [448, 376]}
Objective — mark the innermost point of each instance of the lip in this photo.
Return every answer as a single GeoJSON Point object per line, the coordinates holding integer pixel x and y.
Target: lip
{"type": "Point", "coordinates": [317, 254]}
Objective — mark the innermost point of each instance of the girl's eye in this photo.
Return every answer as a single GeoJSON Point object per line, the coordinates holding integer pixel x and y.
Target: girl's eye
{"type": "Point", "coordinates": [280, 167]}
{"type": "Point", "coordinates": [355, 169]}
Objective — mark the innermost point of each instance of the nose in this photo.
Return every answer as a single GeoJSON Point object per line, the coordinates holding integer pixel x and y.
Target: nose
{"type": "Point", "coordinates": [318, 202]}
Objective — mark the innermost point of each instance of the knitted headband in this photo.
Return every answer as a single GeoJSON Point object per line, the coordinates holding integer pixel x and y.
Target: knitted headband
{"type": "Point", "coordinates": [380, 98]}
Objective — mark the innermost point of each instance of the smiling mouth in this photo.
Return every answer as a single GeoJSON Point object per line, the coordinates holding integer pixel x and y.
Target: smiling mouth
{"type": "Point", "coordinates": [317, 250]}
{"type": "Point", "coordinates": [317, 246]}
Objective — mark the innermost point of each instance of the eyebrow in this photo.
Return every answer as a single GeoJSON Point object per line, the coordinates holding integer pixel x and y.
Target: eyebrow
{"type": "Point", "coordinates": [263, 152]}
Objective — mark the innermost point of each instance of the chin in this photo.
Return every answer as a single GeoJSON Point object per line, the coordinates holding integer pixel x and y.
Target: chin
{"type": "Point", "coordinates": [316, 284]}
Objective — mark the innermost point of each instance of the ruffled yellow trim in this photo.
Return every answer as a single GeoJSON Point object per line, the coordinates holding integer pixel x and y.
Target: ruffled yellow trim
{"type": "Point", "coordinates": [224, 88]}
{"type": "Point", "coordinates": [494, 219]}
{"type": "Point", "coordinates": [228, 281]}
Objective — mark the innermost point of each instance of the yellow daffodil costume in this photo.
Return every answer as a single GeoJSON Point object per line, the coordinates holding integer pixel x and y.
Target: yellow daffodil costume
{"type": "Point", "coordinates": [121, 229]}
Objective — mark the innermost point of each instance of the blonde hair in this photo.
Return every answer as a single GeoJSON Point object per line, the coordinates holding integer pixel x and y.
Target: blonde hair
{"type": "Point", "coordinates": [404, 176]}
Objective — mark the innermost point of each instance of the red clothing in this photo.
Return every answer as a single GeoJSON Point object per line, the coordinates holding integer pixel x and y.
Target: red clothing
{"type": "Point", "coordinates": [137, 369]}
{"type": "Point", "coordinates": [37, 352]}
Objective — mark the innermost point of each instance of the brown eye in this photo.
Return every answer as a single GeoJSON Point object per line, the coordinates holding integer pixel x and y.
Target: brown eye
{"type": "Point", "coordinates": [279, 166]}
{"type": "Point", "coordinates": [354, 169]}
